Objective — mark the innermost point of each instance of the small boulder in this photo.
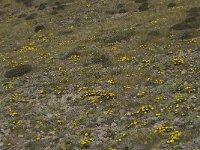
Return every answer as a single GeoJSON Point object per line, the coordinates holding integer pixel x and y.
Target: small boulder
{"type": "Point", "coordinates": [144, 7]}
{"type": "Point", "coordinates": [18, 71]}
{"type": "Point", "coordinates": [39, 28]}
{"type": "Point", "coordinates": [170, 5]}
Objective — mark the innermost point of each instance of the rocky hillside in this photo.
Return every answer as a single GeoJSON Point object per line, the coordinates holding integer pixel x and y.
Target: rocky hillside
{"type": "Point", "coordinates": [99, 74]}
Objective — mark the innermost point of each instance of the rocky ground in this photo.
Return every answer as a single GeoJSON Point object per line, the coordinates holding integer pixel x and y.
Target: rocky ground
{"type": "Point", "coordinates": [99, 75]}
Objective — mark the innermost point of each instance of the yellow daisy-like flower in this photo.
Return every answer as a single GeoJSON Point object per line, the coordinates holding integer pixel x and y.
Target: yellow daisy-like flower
{"type": "Point", "coordinates": [108, 112]}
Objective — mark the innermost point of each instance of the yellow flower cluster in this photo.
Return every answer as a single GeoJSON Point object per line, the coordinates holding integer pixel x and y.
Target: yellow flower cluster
{"type": "Point", "coordinates": [60, 121]}
{"type": "Point", "coordinates": [75, 124]}
{"type": "Point", "coordinates": [16, 123]}
{"type": "Point", "coordinates": [30, 47]}
{"type": "Point", "coordinates": [14, 97]}
{"type": "Point", "coordinates": [114, 48]}
{"type": "Point", "coordinates": [157, 114]}
{"type": "Point", "coordinates": [62, 70]}
{"type": "Point", "coordinates": [159, 98]}
{"type": "Point", "coordinates": [124, 58]}
{"type": "Point", "coordinates": [57, 114]}
{"type": "Point", "coordinates": [178, 61]}
{"type": "Point", "coordinates": [156, 21]}
{"type": "Point", "coordinates": [111, 148]}
{"type": "Point", "coordinates": [174, 136]}
{"type": "Point", "coordinates": [193, 40]}
{"type": "Point", "coordinates": [41, 91]}
{"type": "Point", "coordinates": [75, 57]}
{"type": "Point", "coordinates": [86, 134]}
{"type": "Point", "coordinates": [93, 101]}
{"type": "Point", "coordinates": [43, 56]}
{"type": "Point", "coordinates": [58, 90]}
{"type": "Point", "coordinates": [86, 142]}
{"type": "Point", "coordinates": [149, 79]}
{"type": "Point", "coordinates": [110, 81]}
{"type": "Point", "coordinates": [127, 86]}
{"type": "Point", "coordinates": [141, 94]}
{"type": "Point", "coordinates": [9, 86]}
{"type": "Point", "coordinates": [142, 46]}
{"type": "Point", "coordinates": [146, 61]}
{"type": "Point", "coordinates": [180, 98]}
{"type": "Point", "coordinates": [163, 129]}
{"type": "Point", "coordinates": [121, 137]}
{"type": "Point", "coordinates": [13, 114]}
{"type": "Point", "coordinates": [37, 138]}
{"type": "Point", "coordinates": [189, 89]}
{"type": "Point", "coordinates": [158, 81]}
{"type": "Point", "coordinates": [99, 94]}
{"type": "Point", "coordinates": [40, 122]}
{"type": "Point", "coordinates": [108, 112]}
{"type": "Point", "coordinates": [133, 123]}
{"type": "Point", "coordinates": [144, 110]}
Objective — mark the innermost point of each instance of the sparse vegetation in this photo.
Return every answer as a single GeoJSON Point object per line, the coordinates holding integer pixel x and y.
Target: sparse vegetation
{"type": "Point", "coordinates": [99, 75]}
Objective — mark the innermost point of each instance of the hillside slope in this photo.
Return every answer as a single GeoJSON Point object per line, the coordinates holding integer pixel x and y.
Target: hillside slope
{"type": "Point", "coordinates": [99, 74]}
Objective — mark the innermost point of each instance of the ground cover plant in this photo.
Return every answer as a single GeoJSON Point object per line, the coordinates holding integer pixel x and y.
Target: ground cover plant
{"type": "Point", "coordinates": [99, 75]}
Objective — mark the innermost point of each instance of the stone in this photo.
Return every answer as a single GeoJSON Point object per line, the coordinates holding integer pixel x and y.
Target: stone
{"type": "Point", "coordinates": [170, 5]}
{"type": "Point", "coordinates": [144, 7]}
{"type": "Point", "coordinates": [39, 28]}
{"type": "Point", "coordinates": [18, 71]}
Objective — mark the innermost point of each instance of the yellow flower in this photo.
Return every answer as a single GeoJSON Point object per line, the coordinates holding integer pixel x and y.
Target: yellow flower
{"type": "Point", "coordinates": [119, 140]}
{"type": "Point", "coordinates": [141, 94]}
{"type": "Point", "coordinates": [114, 48]}
{"type": "Point", "coordinates": [13, 114]}
{"type": "Point", "coordinates": [111, 94]}
{"type": "Point", "coordinates": [41, 91]}
{"type": "Point", "coordinates": [146, 61]}
{"type": "Point", "coordinates": [149, 79]}
{"type": "Point", "coordinates": [86, 134]}
{"type": "Point", "coordinates": [108, 112]}
{"type": "Point", "coordinates": [174, 136]}
{"type": "Point", "coordinates": [75, 57]}
{"type": "Point", "coordinates": [132, 123]}
{"type": "Point", "coordinates": [157, 114]}
{"type": "Point", "coordinates": [93, 101]}
{"type": "Point", "coordinates": [57, 114]}
{"type": "Point", "coordinates": [178, 61]}
{"type": "Point", "coordinates": [163, 129]}
{"type": "Point", "coordinates": [111, 148]}
{"type": "Point", "coordinates": [127, 86]}
{"type": "Point", "coordinates": [158, 81]}
{"type": "Point", "coordinates": [189, 89]}
{"type": "Point", "coordinates": [86, 142]}
{"type": "Point", "coordinates": [40, 123]}
{"type": "Point", "coordinates": [110, 81]}
{"type": "Point", "coordinates": [170, 141]}
{"type": "Point", "coordinates": [60, 121]}
{"type": "Point", "coordinates": [142, 46]}
{"type": "Point", "coordinates": [156, 21]}
{"type": "Point", "coordinates": [124, 58]}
